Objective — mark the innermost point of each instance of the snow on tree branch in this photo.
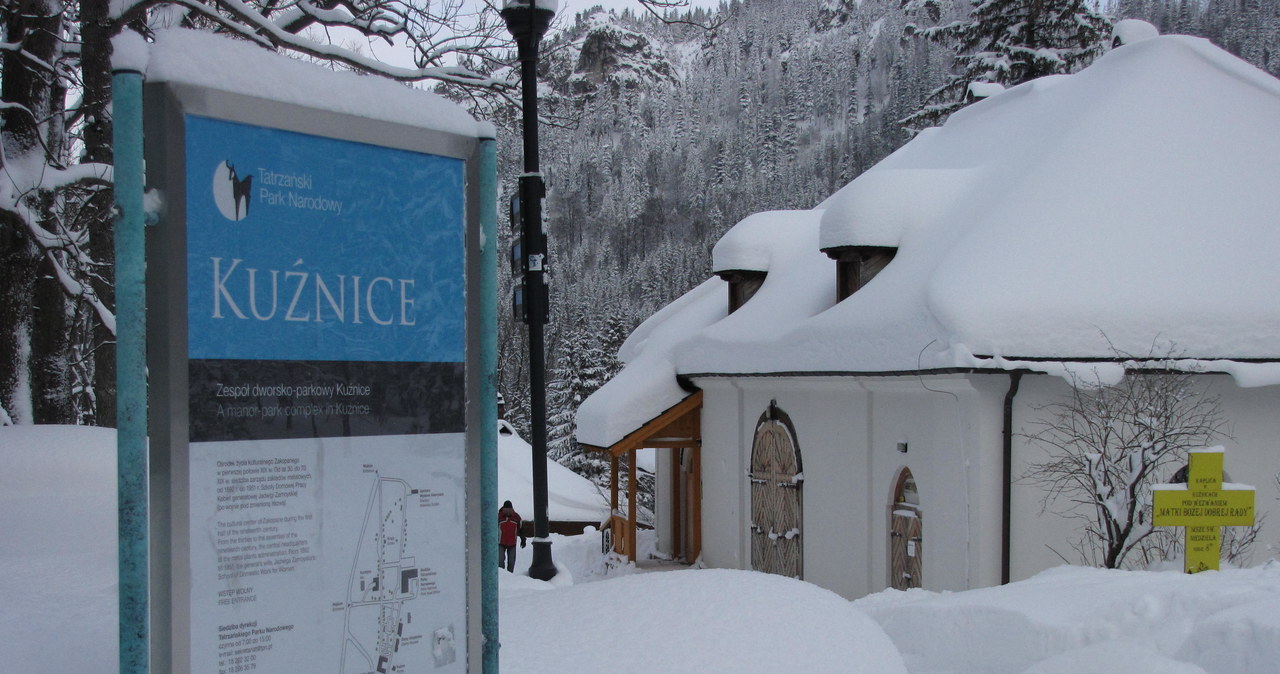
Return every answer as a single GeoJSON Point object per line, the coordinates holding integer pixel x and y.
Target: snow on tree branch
{"type": "Point", "coordinates": [439, 34]}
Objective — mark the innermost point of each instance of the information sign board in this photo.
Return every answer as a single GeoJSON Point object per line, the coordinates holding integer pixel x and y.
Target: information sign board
{"type": "Point", "coordinates": [310, 397]}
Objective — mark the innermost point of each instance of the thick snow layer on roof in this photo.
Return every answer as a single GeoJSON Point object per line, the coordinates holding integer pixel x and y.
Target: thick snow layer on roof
{"type": "Point", "coordinates": [647, 386]}
{"type": "Point", "coordinates": [1137, 200]}
{"type": "Point", "coordinates": [872, 210]}
{"type": "Point", "coordinates": [785, 243]}
{"type": "Point", "coordinates": [1128, 209]}
{"type": "Point", "coordinates": [1128, 206]}
{"type": "Point", "coordinates": [570, 497]}
{"type": "Point", "coordinates": [237, 66]}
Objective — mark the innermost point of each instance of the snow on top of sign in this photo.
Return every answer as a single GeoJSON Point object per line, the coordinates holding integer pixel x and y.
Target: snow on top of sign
{"type": "Point", "coordinates": [236, 66]}
{"type": "Point", "coordinates": [1127, 208]}
{"type": "Point", "coordinates": [129, 52]}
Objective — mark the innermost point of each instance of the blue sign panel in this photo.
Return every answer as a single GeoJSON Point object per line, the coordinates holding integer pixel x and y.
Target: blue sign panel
{"type": "Point", "coordinates": [303, 248]}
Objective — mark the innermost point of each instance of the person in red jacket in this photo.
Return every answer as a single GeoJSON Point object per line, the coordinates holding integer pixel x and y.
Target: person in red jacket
{"type": "Point", "coordinates": [508, 528]}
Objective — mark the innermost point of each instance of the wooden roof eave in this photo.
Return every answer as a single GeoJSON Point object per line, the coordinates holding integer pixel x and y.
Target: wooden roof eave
{"type": "Point", "coordinates": [678, 426]}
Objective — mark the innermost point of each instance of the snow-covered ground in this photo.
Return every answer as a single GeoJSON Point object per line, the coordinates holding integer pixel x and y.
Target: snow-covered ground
{"type": "Point", "coordinates": [57, 579]}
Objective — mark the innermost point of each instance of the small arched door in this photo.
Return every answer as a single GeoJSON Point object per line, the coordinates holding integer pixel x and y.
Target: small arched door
{"type": "Point", "coordinates": [906, 547]}
{"type": "Point", "coordinates": [776, 486]}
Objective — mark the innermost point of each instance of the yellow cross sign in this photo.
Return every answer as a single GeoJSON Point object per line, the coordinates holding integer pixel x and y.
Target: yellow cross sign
{"type": "Point", "coordinates": [1204, 505]}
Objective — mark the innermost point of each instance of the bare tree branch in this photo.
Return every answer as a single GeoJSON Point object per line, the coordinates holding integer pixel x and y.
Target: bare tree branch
{"type": "Point", "coordinates": [1108, 444]}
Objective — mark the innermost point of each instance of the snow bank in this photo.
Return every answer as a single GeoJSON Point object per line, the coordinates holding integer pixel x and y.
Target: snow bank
{"type": "Point", "coordinates": [58, 585]}
{"type": "Point", "coordinates": [711, 620]}
{"type": "Point", "coordinates": [237, 66]}
{"type": "Point", "coordinates": [1071, 619]}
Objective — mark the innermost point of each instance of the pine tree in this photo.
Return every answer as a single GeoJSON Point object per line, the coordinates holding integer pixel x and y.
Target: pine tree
{"type": "Point", "coordinates": [1008, 42]}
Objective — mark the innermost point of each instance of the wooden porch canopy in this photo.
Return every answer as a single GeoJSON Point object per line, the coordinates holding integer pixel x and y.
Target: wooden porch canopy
{"type": "Point", "coordinates": [678, 428]}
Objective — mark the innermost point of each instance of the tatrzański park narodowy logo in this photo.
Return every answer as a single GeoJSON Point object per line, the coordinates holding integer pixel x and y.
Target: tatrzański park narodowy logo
{"type": "Point", "coordinates": [231, 192]}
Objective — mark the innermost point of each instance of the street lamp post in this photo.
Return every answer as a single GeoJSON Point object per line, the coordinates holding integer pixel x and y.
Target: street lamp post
{"type": "Point", "coordinates": [528, 20]}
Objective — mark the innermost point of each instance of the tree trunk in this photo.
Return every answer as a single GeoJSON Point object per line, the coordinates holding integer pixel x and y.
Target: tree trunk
{"type": "Point", "coordinates": [95, 65]}
{"type": "Point", "coordinates": [26, 23]}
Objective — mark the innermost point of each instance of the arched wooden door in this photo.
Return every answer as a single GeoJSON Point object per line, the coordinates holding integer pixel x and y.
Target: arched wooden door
{"type": "Point", "coordinates": [776, 487]}
{"type": "Point", "coordinates": [906, 544]}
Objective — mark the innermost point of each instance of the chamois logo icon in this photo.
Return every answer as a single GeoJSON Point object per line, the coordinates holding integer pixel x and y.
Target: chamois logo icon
{"type": "Point", "coordinates": [231, 193]}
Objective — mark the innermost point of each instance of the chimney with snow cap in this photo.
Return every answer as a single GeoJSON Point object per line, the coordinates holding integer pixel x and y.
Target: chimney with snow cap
{"type": "Point", "coordinates": [1129, 31]}
{"type": "Point", "coordinates": [741, 257]}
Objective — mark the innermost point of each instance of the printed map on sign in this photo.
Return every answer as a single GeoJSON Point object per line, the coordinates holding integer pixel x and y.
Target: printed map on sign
{"type": "Point", "coordinates": [386, 583]}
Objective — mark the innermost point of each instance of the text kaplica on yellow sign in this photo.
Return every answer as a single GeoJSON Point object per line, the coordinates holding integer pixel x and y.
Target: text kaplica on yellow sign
{"type": "Point", "coordinates": [1204, 505]}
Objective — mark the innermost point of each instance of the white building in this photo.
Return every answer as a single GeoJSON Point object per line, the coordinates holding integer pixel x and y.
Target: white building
{"type": "Point", "coordinates": [1132, 208]}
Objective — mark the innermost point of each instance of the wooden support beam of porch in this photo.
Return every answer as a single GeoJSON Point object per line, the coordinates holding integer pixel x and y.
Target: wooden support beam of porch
{"type": "Point", "coordinates": [679, 427]}
{"type": "Point", "coordinates": [681, 421]}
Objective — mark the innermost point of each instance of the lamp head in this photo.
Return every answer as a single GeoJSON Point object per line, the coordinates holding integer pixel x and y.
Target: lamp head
{"type": "Point", "coordinates": [529, 19]}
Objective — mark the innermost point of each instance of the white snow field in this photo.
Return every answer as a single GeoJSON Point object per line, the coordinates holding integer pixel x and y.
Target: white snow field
{"type": "Point", "coordinates": [58, 605]}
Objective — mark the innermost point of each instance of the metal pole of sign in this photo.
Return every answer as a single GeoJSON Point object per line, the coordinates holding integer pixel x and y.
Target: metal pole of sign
{"type": "Point", "coordinates": [528, 23]}
{"type": "Point", "coordinates": [489, 402]}
{"type": "Point", "coordinates": [131, 370]}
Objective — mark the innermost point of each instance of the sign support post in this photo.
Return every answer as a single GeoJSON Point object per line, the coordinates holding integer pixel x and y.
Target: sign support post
{"type": "Point", "coordinates": [488, 344]}
{"type": "Point", "coordinates": [131, 370]}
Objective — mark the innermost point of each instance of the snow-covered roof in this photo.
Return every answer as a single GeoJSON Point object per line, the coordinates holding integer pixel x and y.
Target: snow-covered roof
{"type": "Point", "coordinates": [570, 497]}
{"type": "Point", "coordinates": [240, 67]}
{"type": "Point", "coordinates": [647, 386]}
{"type": "Point", "coordinates": [1129, 207]}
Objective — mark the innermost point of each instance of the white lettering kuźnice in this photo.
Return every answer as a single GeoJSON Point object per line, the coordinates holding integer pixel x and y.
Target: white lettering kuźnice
{"type": "Point", "coordinates": [309, 296]}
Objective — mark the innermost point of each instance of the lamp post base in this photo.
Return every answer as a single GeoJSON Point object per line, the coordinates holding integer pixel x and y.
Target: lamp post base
{"type": "Point", "coordinates": [542, 568]}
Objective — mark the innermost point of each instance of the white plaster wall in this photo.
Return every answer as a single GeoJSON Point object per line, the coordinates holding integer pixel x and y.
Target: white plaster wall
{"type": "Point", "coordinates": [954, 455]}
{"type": "Point", "coordinates": [722, 477]}
{"type": "Point", "coordinates": [1252, 457]}
{"type": "Point", "coordinates": [847, 430]}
